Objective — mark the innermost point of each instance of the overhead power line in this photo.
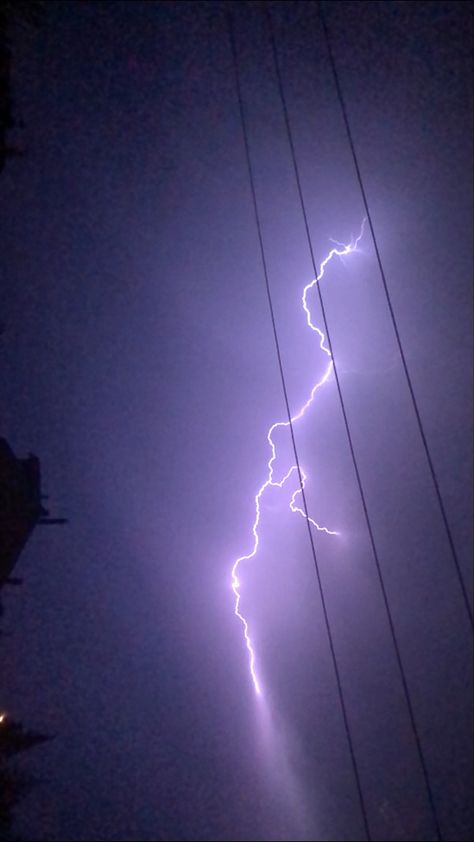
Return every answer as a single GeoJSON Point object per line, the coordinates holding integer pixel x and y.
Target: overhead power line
{"type": "Point", "coordinates": [393, 318]}
{"type": "Point", "coordinates": [287, 405]}
{"type": "Point", "coordinates": [383, 589]}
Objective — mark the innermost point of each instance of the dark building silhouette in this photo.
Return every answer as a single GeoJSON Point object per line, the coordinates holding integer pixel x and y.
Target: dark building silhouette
{"type": "Point", "coordinates": [14, 783]}
{"type": "Point", "coordinates": [20, 508]}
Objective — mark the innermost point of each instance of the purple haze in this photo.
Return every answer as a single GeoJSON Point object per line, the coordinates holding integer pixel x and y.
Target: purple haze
{"type": "Point", "coordinates": [138, 363]}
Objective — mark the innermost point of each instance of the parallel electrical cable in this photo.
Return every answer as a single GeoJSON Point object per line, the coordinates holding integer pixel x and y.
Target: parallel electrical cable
{"type": "Point", "coordinates": [411, 390]}
{"type": "Point", "coordinates": [391, 625]}
{"type": "Point", "coordinates": [287, 405]}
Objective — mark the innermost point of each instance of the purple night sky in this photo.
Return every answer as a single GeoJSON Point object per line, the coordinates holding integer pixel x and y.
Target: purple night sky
{"type": "Point", "coordinates": [138, 363]}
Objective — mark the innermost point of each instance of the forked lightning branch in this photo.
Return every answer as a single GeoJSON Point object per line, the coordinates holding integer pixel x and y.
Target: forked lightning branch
{"type": "Point", "coordinates": [272, 479]}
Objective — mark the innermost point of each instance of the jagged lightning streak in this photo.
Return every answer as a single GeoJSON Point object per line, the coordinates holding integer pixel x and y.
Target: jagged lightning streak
{"type": "Point", "coordinates": [340, 251]}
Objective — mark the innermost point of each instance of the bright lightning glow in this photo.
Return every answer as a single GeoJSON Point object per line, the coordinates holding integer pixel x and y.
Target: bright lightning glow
{"type": "Point", "coordinates": [340, 251]}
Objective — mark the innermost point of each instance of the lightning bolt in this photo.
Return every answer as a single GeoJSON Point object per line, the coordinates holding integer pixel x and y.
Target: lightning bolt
{"type": "Point", "coordinates": [340, 250]}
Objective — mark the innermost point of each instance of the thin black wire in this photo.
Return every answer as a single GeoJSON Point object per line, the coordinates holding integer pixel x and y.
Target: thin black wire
{"type": "Point", "coordinates": [392, 315]}
{"type": "Point", "coordinates": [349, 436]}
{"type": "Point", "coordinates": [287, 404]}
